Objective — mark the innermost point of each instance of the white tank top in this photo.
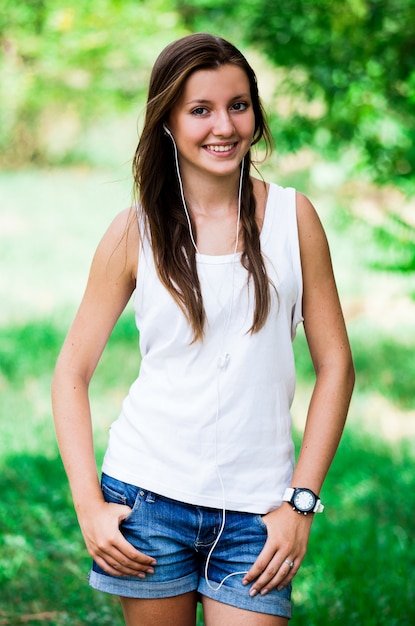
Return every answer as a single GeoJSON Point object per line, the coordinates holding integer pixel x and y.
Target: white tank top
{"type": "Point", "coordinates": [209, 423]}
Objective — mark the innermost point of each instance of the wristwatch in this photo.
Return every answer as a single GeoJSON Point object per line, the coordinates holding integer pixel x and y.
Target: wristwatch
{"type": "Point", "coordinates": [303, 500]}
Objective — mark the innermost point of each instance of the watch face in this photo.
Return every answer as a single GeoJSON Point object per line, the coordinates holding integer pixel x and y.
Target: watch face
{"type": "Point", "coordinates": [304, 500]}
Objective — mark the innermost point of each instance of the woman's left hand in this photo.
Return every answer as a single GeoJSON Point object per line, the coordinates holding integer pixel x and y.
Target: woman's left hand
{"type": "Point", "coordinates": [288, 534]}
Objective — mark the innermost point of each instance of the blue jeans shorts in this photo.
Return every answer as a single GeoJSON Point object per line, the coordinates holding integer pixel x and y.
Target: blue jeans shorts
{"type": "Point", "coordinates": [180, 536]}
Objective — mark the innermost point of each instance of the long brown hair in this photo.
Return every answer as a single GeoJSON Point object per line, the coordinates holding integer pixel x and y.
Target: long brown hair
{"type": "Point", "coordinates": [157, 189]}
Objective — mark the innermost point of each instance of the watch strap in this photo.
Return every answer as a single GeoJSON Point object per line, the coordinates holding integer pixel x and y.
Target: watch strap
{"type": "Point", "coordinates": [289, 493]}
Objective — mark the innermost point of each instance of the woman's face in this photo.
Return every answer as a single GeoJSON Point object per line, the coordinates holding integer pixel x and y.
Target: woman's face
{"type": "Point", "coordinates": [213, 122]}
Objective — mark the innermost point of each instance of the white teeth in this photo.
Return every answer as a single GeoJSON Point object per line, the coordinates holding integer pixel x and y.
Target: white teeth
{"type": "Point", "coordinates": [220, 148]}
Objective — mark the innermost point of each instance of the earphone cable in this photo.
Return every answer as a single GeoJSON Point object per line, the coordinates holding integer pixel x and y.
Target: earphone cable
{"type": "Point", "coordinates": [225, 328]}
{"type": "Point", "coordinates": [176, 160]}
{"type": "Point", "coordinates": [218, 403]}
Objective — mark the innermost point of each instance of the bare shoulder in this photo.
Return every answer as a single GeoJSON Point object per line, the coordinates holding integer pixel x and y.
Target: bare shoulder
{"type": "Point", "coordinates": [124, 227]}
{"type": "Point", "coordinates": [120, 244]}
{"type": "Point", "coordinates": [310, 229]}
{"type": "Point", "coordinates": [306, 213]}
{"type": "Point", "coordinates": [261, 189]}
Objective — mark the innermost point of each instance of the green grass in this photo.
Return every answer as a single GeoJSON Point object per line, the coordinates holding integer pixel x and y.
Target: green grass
{"type": "Point", "coordinates": [361, 563]}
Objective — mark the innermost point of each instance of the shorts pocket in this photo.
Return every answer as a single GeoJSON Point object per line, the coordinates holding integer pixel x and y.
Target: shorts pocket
{"type": "Point", "coordinates": [118, 492]}
{"type": "Point", "coordinates": [110, 495]}
{"type": "Point", "coordinates": [261, 523]}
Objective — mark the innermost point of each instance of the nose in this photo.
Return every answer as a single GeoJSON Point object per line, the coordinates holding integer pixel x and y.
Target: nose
{"type": "Point", "coordinates": [224, 125]}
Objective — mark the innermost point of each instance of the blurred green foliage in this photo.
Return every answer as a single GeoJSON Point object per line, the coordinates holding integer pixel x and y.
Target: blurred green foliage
{"type": "Point", "coordinates": [395, 244]}
{"type": "Point", "coordinates": [346, 84]}
{"type": "Point", "coordinates": [342, 78]}
{"type": "Point", "coordinates": [43, 561]}
{"type": "Point", "coordinates": [63, 64]}
{"type": "Point", "coordinates": [344, 71]}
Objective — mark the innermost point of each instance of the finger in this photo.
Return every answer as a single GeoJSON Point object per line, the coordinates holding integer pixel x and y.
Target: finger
{"type": "Point", "coordinates": [289, 576]}
{"type": "Point", "coordinates": [264, 581]}
{"type": "Point", "coordinates": [283, 577]}
{"type": "Point", "coordinates": [115, 563]}
{"type": "Point", "coordinates": [119, 555]}
{"type": "Point", "coordinates": [277, 574]}
{"type": "Point", "coordinates": [130, 554]}
{"type": "Point", "coordinates": [117, 567]}
{"type": "Point", "coordinates": [140, 562]}
{"type": "Point", "coordinates": [263, 560]}
{"type": "Point", "coordinates": [125, 547]}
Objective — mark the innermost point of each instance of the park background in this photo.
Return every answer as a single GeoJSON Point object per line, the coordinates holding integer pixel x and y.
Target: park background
{"type": "Point", "coordinates": [337, 78]}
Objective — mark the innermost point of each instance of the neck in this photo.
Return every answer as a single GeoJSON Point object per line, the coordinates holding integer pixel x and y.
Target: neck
{"type": "Point", "coordinates": [208, 190]}
{"type": "Point", "coordinates": [212, 196]}
{"type": "Point", "coordinates": [216, 220]}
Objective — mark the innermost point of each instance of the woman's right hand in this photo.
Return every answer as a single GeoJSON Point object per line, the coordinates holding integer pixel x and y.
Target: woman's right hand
{"type": "Point", "coordinates": [108, 547]}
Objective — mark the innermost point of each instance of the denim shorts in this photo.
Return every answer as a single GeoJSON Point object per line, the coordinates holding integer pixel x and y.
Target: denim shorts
{"type": "Point", "coordinates": [180, 536]}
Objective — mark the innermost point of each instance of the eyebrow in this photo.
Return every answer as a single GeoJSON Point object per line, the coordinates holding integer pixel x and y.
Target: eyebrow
{"type": "Point", "coordinates": [205, 101]}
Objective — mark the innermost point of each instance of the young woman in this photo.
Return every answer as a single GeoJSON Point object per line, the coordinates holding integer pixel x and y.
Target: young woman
{"type": "Point", "coordinates": [199, 497]}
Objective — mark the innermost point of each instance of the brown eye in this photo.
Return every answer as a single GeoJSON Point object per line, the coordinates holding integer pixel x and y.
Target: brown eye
{"type": "Point", "coordinates": [239, 106]}
{"type": "Point", "coordinates": [199, 111]}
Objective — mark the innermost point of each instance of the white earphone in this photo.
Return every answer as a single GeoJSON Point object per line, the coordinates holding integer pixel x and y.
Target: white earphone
{"type": "Point", "coordinates": [167, 131]}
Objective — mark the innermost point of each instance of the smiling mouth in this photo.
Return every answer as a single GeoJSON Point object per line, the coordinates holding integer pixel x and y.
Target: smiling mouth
{"type": "Point", "coordinates": [223, 148]}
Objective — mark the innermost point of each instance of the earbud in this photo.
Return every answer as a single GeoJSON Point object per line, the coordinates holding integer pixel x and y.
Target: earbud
{"type": "Point", "coordinates": [167, 131]}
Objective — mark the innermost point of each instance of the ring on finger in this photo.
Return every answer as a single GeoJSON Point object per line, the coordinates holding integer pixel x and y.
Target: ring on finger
{"type": "Point", "coordinates": [289, 563]}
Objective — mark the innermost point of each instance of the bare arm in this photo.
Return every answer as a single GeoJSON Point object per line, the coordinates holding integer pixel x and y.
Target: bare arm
{"type": "Point", "coordinates": [330, 352]}
{"type": "Point", "coordinates": [326, 335]}
{"type": "Point", "coordinates": [110, 285]}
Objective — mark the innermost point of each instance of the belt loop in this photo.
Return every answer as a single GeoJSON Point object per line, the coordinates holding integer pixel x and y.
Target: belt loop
{"type": "Point", "coordinates": [150, 497]}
